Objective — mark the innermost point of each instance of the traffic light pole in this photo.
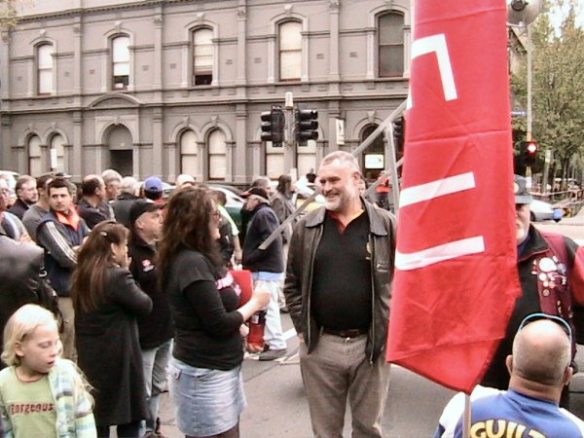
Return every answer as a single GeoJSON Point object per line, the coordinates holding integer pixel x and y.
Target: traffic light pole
{"type": "Point", "coordinates": [386, 124]}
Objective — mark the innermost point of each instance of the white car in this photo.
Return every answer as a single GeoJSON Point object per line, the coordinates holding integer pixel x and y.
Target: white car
{"type": "Point", "coordinates": [541, 211]}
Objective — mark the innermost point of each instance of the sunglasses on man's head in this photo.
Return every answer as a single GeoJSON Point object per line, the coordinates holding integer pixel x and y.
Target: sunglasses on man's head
{"type": "Point", "coordinates": [539, 316]}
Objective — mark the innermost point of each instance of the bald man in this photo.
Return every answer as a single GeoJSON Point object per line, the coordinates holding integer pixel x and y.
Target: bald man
{"type": "Point", "coordinates": [539, 368]}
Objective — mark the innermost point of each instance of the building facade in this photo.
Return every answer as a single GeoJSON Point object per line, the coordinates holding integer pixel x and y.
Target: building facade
{"type": "Point", "coordinates": [163, 87]}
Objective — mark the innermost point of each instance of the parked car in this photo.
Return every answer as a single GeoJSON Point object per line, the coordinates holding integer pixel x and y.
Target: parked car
{"type": "Point", "coordinates": [541, 211]}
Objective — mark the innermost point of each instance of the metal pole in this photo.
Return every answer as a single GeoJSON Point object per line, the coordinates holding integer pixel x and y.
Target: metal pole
{"type": "Point", "coordinates": [393, 168]}
{"type": "Point", "coordinates": [546, 171]}
{"type": "Point", "coordinates": [528, 134]}
{"type": "Point", "coordinates": [466, 417]}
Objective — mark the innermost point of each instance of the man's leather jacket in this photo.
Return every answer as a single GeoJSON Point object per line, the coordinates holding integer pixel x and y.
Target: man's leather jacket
{"type": "Point", "coordinates": [19, 277]}
{"type": "Point", "coordinates": [298, 284]}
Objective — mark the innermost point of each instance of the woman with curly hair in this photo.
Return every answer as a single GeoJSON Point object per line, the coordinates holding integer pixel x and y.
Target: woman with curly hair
{"type": "Point", "coordinates": [205, 370]}
{"type": "Point", "coordinates": [107, 303]}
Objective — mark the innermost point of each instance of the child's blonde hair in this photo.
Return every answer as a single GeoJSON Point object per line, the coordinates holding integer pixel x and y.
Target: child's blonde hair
{"type": "Point", "coordinates": [21, 325]}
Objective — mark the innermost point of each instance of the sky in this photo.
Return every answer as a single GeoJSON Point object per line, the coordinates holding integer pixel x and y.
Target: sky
{"type": "Point", "coordinates": [558, 14]}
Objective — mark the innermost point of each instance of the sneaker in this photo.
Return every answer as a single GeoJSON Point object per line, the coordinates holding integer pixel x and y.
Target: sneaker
{"type": "Point", "coordinates": [272, 354]}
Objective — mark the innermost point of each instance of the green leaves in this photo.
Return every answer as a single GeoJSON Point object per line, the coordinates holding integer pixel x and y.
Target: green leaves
{"type": "Point", "coordinates": [558, 84]}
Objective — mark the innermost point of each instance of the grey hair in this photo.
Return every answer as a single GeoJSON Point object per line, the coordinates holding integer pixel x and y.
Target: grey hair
{"type": "Point", "coordinates": [344, 158]}
{"type": "Point", "coordinates": [110, 175]}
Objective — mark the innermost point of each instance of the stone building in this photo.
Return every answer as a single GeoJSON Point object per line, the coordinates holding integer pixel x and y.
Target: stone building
{"type": "Point", "coordinates": [163, 87]}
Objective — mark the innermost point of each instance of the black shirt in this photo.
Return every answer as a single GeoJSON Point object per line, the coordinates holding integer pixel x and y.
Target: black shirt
{"type": "Point", "coordinates": [204, 308]}
{"type": "Point", "coordinates": [341, 287]}
{"type": "Point", "coordinates": [92, 215]}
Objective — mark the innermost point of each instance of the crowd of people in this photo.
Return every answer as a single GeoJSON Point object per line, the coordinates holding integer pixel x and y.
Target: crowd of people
{"type": "Point", "coordinates": [141, 298]}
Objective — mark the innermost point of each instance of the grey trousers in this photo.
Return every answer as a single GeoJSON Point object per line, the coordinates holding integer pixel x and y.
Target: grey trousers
{"type": "Point", "coordinates": [335, 370]}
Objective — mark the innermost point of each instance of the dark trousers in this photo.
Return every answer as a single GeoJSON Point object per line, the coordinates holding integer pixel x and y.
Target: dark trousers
{"type": "Point", "coordinates": [130, 430]}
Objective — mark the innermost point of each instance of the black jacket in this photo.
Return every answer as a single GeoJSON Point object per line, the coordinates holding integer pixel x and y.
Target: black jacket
{"type": "Point", "coordinates": [58, 240]}
{"type": "Point", "coordinates": [122, 206]}
{"type": "Point", "coordinates": [19, 208]}
{"type": "Point", "coordinates": [109, 352]}
{"type": "Point", "coordinates": [19, 277]}
{"type": "Point", "coordinates": [155, 328]}
{"type": "Point", "coordinates": [299, 272]}
{"type": "Point", "coordinates": [261, 225]}
{"type": "Point", "coordinates": [552, 290]}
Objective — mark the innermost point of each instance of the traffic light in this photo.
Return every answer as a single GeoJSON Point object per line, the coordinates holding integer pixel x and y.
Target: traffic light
{"type": "Point", "coordinates": [399, 131]}
{"type": "Point", "coordinates": [272, 125]}
{"type": "Point", "coordinates": [306, 125]}
{"type": "Point", "coordinates": [530, 153]}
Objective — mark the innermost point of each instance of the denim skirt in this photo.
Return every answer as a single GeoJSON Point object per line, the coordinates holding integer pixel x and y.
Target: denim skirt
{"type": "Point", "coordinates": [206, 402]}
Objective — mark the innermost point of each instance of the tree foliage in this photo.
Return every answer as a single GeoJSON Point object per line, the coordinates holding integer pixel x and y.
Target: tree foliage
{"type": "Point", "coordinates": [8, 13]}
{"type": "Point", "coordinates": [558, 84]}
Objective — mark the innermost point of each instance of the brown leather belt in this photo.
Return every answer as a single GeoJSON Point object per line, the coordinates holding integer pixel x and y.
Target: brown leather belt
{"type": "Point", "coordinates": [349, 333]}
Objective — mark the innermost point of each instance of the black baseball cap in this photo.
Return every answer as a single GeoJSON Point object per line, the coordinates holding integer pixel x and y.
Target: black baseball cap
{"type": "Point", "coordinates": [141, 206]}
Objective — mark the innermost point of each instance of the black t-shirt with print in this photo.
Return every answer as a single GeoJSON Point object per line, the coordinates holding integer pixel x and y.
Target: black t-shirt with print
{"type": "Point", "coordinates": [204, 309]}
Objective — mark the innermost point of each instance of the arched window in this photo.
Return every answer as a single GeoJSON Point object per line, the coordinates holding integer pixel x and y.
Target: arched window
{"type": "Point", "coordinates": [390, 33]}
{"type": "Point", "coordinates": [34, 156]}
{"type": "Point", "coordinates": [57, 152]}
{"type": "Point", "coordinates": [120, 62]}
{"type": "Point", "coordinates": [189, 161]}
{"type": "Point", "coordinates": [203, 59]}
{"type": "Point", "coordinates": [45, 69]}
{"type": "Point", "coordinates": [217, 155]}
{"type": "Point", "coordinates": [290, 51]}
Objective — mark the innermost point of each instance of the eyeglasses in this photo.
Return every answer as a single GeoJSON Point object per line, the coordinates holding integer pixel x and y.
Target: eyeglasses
{"type": "Point", "coordinates": [539, 316]}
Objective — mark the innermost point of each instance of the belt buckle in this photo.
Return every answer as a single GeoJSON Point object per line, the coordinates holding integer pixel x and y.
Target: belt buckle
{"type": "Point", "coordinates": [352, 333]}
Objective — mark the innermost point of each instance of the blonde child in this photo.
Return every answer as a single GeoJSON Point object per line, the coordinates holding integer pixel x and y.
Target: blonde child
{"type": "Point", "coordinates": [41, 394]}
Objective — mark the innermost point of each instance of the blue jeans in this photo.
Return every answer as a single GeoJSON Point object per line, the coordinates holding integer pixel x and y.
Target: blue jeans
{"type": "Point", "coordinates": [155, 362]}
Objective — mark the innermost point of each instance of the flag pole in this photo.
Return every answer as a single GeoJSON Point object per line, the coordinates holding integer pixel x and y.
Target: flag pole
{"type": "Point", "coordinates": [466, 417]}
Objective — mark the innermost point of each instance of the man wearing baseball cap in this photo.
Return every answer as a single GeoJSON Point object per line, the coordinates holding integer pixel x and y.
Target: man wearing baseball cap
{"type": "Point", "coordinates": [155, 330]}
{"type": "Point", "coordinates": [267, 266]}
{"type": "Point", "coordinates": [153, 189]}
{"type": "Point", "coordinates": [551, 277]}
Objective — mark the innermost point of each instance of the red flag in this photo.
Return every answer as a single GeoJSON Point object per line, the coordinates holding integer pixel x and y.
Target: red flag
{"type": "Point", "coordinates": [456, 278]}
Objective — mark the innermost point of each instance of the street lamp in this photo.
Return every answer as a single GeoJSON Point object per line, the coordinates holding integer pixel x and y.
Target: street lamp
{"type": "Point", "coordinates": [522, 13]}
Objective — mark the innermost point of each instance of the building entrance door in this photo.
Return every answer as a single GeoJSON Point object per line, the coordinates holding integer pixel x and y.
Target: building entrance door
{"type": "Point", "coordinates": [122, 161]}
{"type": "Point", "coordinates": [121, 155]}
